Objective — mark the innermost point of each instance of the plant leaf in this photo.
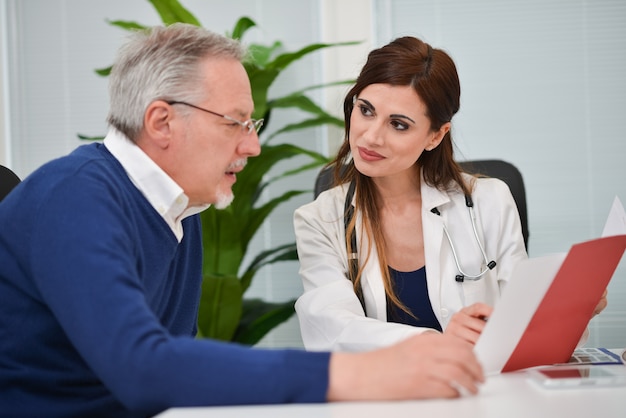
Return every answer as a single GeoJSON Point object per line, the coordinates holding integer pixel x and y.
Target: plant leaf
{"type": "Point", "coordinates": [90, 138]}
{"type": "Point", "coordinates": [286, 252]}
{"type": "Point", "coordinates": [324, 85]}
{"type": "Point", "coordinates": [260, 82]}
{"type": "Point", "coordinates": [298, 170]}
{"type": "Point", "coordinates": [220, 307]}
{"type": "Point", "coordinates": [282, 61]}
{"type": "Point", "coordinates": [307, 123]}
{"type": "Point", "coordinates": [241, 27]}
{"type": "Point", "coordinates": [249, 180]}
{"type": "Point", "coordinates": [127, 25]}
{"type": "Point", "coordinates": [299, 101]}
{"type": "Point", "coordinates": [261, 55]}
{"type": "Point", "coordinates": [259, 318]}
{"type": "Point", "coordinates": [223, 241]}
{"type": "Point", "coordinates": [228, 232]}
{"type": "Point", "coordinates": [104, 72]}
{"type": "Point", "coordinates": [171, 11]}
{"type": "Point", "coordinates": [257, 216]}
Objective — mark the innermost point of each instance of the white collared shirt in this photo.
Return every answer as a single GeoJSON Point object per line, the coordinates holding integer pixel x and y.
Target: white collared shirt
{"type": "Point", "coordinates": [163, 193]}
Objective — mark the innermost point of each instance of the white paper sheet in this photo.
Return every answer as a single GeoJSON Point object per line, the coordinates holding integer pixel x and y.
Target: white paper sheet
{"type": "Point", "coordinates": [616, 222]}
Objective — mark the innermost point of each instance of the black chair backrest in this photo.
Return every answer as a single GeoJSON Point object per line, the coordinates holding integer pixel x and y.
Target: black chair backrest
{"type": "Point", "coordinates": [500, 169]}
{"type": "Point", "coordinates": [8, 180]}
{"type": "Point", "coordinates": [509, 174]}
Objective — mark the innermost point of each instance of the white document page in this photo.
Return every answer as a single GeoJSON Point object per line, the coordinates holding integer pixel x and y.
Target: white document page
{"type": "Point", "coordinates": [616, 222]}
{"type": "Point", "coordinates": [616, 225]}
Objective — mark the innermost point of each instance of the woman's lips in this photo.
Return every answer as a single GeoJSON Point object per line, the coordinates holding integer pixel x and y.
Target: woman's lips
{"type": "Point", "coordinates": [368, 155]}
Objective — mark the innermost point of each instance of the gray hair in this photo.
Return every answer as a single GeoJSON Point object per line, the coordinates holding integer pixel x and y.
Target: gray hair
{"type": "Point", "coordinates": [162, 63]}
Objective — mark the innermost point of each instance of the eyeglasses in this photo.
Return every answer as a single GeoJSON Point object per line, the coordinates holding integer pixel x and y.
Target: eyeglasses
{"type": "Point", "coordinates": [247, 126]}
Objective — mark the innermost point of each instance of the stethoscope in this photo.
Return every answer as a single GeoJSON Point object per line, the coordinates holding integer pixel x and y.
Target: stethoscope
{"type": "Point", "coordinates": [460, 278]}
{"type": "Point", "coordinates": [489, 265]}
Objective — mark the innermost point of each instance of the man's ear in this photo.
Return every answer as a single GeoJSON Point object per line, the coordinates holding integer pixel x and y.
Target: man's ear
{"type": "Point", "coordinates": [156, 122]}
{"type": "Point", "coordinates": [438, 136]}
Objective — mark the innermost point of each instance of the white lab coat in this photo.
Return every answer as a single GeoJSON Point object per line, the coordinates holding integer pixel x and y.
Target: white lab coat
{"type": "Point", "coordinates": [330, 314]}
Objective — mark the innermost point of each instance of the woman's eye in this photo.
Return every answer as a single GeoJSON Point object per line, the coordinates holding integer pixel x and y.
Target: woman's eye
{"type": "Point", "coordinates": [365, 111]}
{"type": "Point", "coordinates": [399, 126]}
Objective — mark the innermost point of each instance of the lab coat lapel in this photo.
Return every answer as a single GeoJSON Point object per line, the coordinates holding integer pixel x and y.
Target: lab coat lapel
{"type": "Point", "coordinates": [434, 241]}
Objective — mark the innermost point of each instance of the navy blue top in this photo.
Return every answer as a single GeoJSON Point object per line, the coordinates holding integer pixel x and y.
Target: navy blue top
{"type": "Point", "coordinates": [99, 301]}
{"type": "Point", "coordinates": [411, 289]}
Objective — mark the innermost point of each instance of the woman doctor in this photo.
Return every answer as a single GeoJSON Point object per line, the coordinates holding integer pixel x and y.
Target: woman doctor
{"type": "Point", "coordinates": [405, 243]}
{"type": "Point", "coordinates": [411, 220]}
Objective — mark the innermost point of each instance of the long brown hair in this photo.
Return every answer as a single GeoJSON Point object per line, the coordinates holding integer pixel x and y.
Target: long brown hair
{"type": "Point", "coordinates": [406, 61]}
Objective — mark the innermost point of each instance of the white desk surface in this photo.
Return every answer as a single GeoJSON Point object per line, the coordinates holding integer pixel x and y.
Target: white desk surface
{"type": "Point", "coordinates": [509, 395]}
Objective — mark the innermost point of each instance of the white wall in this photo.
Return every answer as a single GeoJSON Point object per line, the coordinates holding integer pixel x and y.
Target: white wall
{"type": "Point", "coordinates": [3, 123]}
{"type": "Point", "coordinates": [542, 82]}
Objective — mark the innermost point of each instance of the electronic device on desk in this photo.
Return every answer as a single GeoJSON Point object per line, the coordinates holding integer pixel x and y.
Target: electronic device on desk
{"type": "Point", "coordinates": [594, 355]}
{"type": "Point", "coordinates": [578, 376]}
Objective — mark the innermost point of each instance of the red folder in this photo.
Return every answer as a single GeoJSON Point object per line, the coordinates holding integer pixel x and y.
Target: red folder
{"type": "Point", "coordinates": [564, 312]}
{"type": "Point", "coordinates": [547, 305]}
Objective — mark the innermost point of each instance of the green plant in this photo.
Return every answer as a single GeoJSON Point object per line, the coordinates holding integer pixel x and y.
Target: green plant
{"type": "Point", "coordinates": [224, 312]}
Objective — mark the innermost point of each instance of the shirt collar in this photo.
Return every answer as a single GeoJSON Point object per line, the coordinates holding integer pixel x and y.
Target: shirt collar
{"type": "Point", "coordinates": [163, 193]}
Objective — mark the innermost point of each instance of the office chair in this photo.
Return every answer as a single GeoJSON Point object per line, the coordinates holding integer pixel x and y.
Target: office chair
{"type": "Point", "coordinates": [509, 174]}
{"type": "Point", "coordinates": [500, 169]}
{"type": "Point", "coordinates": [8, 180]}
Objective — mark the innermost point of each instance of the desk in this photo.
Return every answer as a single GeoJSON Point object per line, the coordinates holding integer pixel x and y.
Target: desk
{"type": "Point", "coordinates": [508, 395]}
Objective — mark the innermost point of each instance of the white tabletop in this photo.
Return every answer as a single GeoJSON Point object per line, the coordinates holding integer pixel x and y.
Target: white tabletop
{"type": "Point", "coordinates": [508, 395]}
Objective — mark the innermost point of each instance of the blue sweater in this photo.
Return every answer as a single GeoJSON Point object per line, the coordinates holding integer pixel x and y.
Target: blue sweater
{"type": "Point", "coordinates": [99, 301]}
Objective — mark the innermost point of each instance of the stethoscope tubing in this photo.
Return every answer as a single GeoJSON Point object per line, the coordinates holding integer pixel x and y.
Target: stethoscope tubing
{"type": "Point", "coordinates": [488, 265]}
{"type": "Point", "coordinates": [462, 276]}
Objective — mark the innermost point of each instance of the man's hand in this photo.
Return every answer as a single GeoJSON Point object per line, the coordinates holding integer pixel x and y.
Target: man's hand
{"type": "Point", "coordinates": [430, 365]}
{"type": "Point", "coordinates": [469, 322]}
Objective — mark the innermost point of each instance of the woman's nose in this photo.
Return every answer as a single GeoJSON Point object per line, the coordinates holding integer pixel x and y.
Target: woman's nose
{"type": "Point", "coordinates": [373, 134]}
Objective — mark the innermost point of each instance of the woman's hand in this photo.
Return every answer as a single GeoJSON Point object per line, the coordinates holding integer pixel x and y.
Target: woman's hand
{"type": "Point", "coordinates": [602, 304]}
{"type": "Point", "coordinates": [469, 322]}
